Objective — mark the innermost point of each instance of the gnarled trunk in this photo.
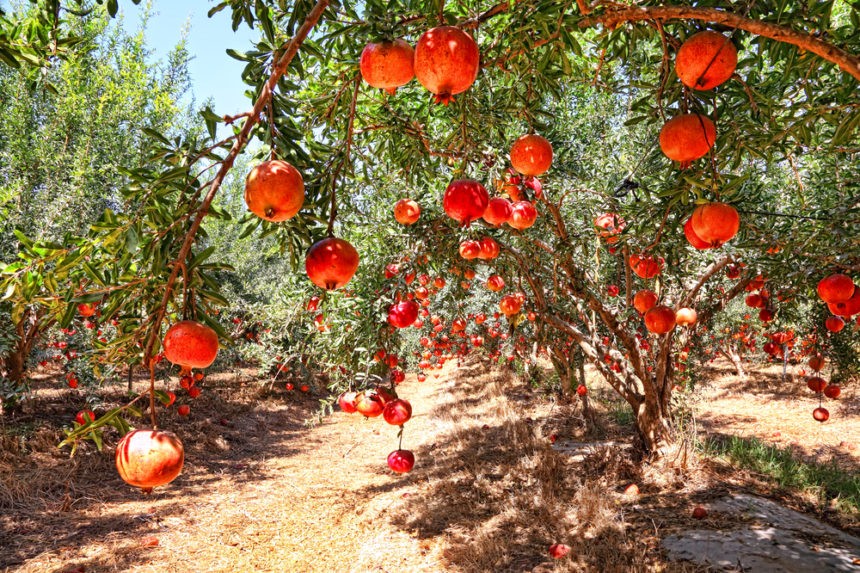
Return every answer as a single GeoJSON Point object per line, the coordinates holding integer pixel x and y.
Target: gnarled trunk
{"type": "Point", "coordinates": [653, 425]}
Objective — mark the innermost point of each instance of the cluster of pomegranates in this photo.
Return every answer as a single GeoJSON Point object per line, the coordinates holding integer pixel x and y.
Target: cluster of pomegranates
{"type": "Point", "coordinates": [842, 298]}
{"type": "Point", "coordinates": [661, 319]}
{"type": "Point", "coordinates": [822, 388]}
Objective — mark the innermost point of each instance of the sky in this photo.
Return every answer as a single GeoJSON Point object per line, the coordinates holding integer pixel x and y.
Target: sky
{"type": "Point", "coordinates": [214, 74]}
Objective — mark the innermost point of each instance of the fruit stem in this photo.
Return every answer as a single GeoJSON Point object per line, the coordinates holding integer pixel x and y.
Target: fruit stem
{"type": "Point", "coordinates": [152, 394]}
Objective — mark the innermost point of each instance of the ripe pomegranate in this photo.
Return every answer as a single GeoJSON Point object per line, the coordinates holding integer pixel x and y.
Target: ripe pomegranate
{"type": "Point", "coordinates": [715, 223]}
{"type": "Point", "coordinates": [612, 226]}
{"type": "Point", "coordinates": [834, 324]}
{"type": "Point", "coordinates": [765, 315]}
{"type": "Point", "coordinates": [331, 263]}
{"type": "Point", "coordinates": [149, 458]}
{"type": "Point", "coordinates": [183, 410]}
{"type": "Point", "coordinates": [531, 155]}
{"type": "Point", "coordinates": [816, 363]}
{"type": "Point", "coordinates": [733, 271]}
{"type": "Point", "coordinates": [313, 303]}
{"type": "Point", "coordinates": [832, 392]}
{"type": "Point", "coordinates": [465, 201]}
{"type": "Point", "coordinates": [700, 513]}
{"type": "Point", "coordinates": [523, 215]}
{"type": "Point", "coordinates": [498, 211]}
{"type": "Point", "coordinates": [836, 288]}
{"type": "Point", "coordinates": [274, 191]}
{"type": "Point", "coordinates": [194, 391]}
{"type": "Point", "coordinates": [660, 319]}
{"type": "Point", "coordinates": [447, 61]}
{"type": "Point", "coordinates": [403, 314]}
{"type": "Point", "coordinates": [558, 550]}
{"type": "Point", "coordinates": [86, 310]}
{"type": "Point", "coordinates": [821, 414]}
{"type": "Point", "coordinates": [613, 290]}
{"type": "Point", "coordinates": [816, 384]}
{"type": "Point", "coordinates": [581, 390]}
{"type": "Point", "coordinates": [687, 137]}
{"type": "Point", "coordinates": [469, 274]}
{"type": "Point", "coordinates": [406, 211]}
{"type": "Point", "coordinates": [846, 308]}
{"type": "Point", "coordinates": [369, 404]}
{"type": "Point", "coordinates": [646, 266]}
{"type": "Point", "coordinates": [387, 65]}
{"type": "Point", "coordinates": [401, 461]}
{"type": "Point", "coordinates": [397, 412]}
{"type": "Point", "coordinates": [685, 317]}
{"type": "Point", "coordinates": [644, 300]}
{"type": "Point", "coordinates": [489, 250]}
{"type": "Point", "coordinates": [85, 417]}
{"type": "Point", "coordinates": [470, 249]}
{"type": "Point", "coordinates": [495, 283]}
{"type": "Point", "coordinates": [706, 60]}
{"type": "Point", "coordinates": [439, 282]}
{"type": "Point", "coordinates": [346, 401]}
{"type": "Point", "coordinates": [191, 344]}
{"type": "Point", "coordinates": [510, 304]}
{"type": "Point", "coordinates": [753, 301]}
{"type": "Point", "coordinates": [694, 239]}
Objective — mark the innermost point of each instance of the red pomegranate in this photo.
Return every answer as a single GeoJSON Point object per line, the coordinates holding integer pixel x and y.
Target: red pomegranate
{"type": "Point", "coordinates": [613, 290]}
{"type": "Point", "coordinates": [687, 138]}
{"type": "Point", "coordinates": [149, 458]}
{"type": "Point", "coordinates": [832, 392]}
{"type": "Point", "coordinates": [346, 401]}
{"type": "Point", "coordinates": [693, 238]}
{"type": "Point", "coordinates": [401, 461]}
{"type": "Point", "coordinates": [470, 249]}
{"type": "Point", "coordinates": [274, 191]}
{"type": "Point", "coordinates": [612, 226]}
{"type": "Point", "coordinates": [447, 61]}
{"type": "Point", "coordinates": [331, 263]}
{"type": "Point", "coordinates": [706, 60]}
{"type": "Point", "coordinates": [816, 384]}
{"type": "Point", "coordinates": [86, 310]}
{"type": "Point", "coordinates": [846, 308]}
{"type": "Point", "coordinates": [765, 315]}
{"type": "Point", "coordinates": [685, 317]}
{"type": "Point", "coordinates": [753, 301]}
{"type": "Point", "coordinates": [523, 215]}
{"type": "Point", "coordinates": [369, 404]}
{"type": "Point", "coordinates": [646, 266]}
{"type": "Point", "coordinates": [489, 249]}
{"type": "Point", "coordinates": [733, 271]}
{"type": "Point", "coordinates": [510, 304]}
{"type": "Point", "coordinates": [465, 201]}
{"type": "Point", "coordinates": [836, 288]}
{"type": "Point", "coordinates": [715, 223]}
{"type": "Point", "coordinates": [834, 324]}
{"type": "Point", "coordinates": [700, 513]}
{"type": "Point", "coordinates": [191, 344]}
{"type": "Point", "coordinates": [558, 550]}
{"type": "Point", "coordinates": [821, 414]}
{"type": "Point", "coordinates": [581, 390]}
{"type": "Point", "coordinates": [387, 65]}
{"type": "Point", "coordinates": [406, 211]}
{"type": "Point", "coordinates": [660, 319]}
{"type": "Point", "coordinates": [495, 283]}
{"type": "Point", "coordinates": [644, 300]}
{"type": "Point", "coordinates": [397, 412]}
{"type": "Point", "coordinates": [403, 314]}
{"type": "Point", "coordinates": [498, 211]}
{"type": "Point", "coordinates": [816, 363]}
{"type": "Point", "coordinates": [531, 155]}
{"type": "Point", "coordinates": [85, 417]}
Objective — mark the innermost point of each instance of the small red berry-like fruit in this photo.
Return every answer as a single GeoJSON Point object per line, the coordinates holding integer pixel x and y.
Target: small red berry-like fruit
{"type": "Point", "coordinates": [558, 550]}
{"type": "Point", "coordinates": [85, 417]}
{"type": "Point", "coordinates": [581, 390]}
{"type": "Point", "coordinates": [700, 512]}
{"type": "Point", "coordinates": [183, 410]}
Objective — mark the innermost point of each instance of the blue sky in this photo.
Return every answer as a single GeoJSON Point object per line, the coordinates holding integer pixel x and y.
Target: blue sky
{"type": "Point", "coordinates": [214, 73]}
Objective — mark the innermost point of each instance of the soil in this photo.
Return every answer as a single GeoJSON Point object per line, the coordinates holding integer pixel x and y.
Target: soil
{"type": "Point", "coordinates": [270, 486]}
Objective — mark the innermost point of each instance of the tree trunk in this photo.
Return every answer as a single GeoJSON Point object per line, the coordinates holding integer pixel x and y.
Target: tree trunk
{"type": "Point", "coordinates": [735, 358]}
{"type": "Point", "coordinates": [652, 423]}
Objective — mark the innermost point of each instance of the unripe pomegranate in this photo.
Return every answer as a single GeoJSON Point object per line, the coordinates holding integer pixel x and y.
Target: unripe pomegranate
{"type": "Point", "coordinates": [446, 62]}
{"type": "Point", "coordinates": [706, 60]}
{"type": "Point", "coordinates": [274, 191]}
{"type": "Point", "coordinates": [531, 155]}
{"type": "Point", "coordinates": [331, 263]}
{"type": "Point", "coordinates": [149, 458]}
{"type": "Point", "coordinates": [387, 65]}
{"type": "Point", "coordinates": [191, 344]}
{"type": "Point", "coordinates": [687, 137]}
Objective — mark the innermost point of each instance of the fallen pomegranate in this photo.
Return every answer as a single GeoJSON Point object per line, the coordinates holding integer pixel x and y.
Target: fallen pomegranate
{"type": "Point", "coordinates": [190, 344]}
{"type": "Point", "coordinates": [149, 458]}
{"type": "Point", "coordinates": [558, 550]}
{"type": "Point", "coordinates": [274, 191]}
{"type": "Point", "coordinates": [700, 513]}
{"type": "Point", "coordinates": [85, 417]}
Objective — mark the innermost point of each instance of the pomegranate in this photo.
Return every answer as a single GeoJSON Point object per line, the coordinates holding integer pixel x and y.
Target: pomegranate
{"type": "Point", "coordinates": [693, 238]}
{"type": "Point", "coordinates": [85, 417]}
{"type": "Point", "coordinates": [510, 304]}
{"type": "Point", "coordinates": [816, 384]}
{"type": "Point", "coordinates": [531, 155]}
{"type": "Point", "coordinates": [86, 310]}
{"type": "Point", "coordinates": [439, 282]}
{"type": "Point", "coordinates": [765, 315]}
{"type": "Point", "coordinates": [397, 412]}
{"type": "Point", "coordinates": [816, 363]}
{"type": "Point", "coordinates": [706, 60]}
{"type": "Point", "coordinates": [489, 249]}
{"type": "Point", "coordinates": [498, 211]}
{"type": "Point", "coordinates": [403, 314]}
{"type": "Point", "coordinates": [369, 404]}
{"type": "Point", "coordinates": [832, 392]}
{"type": "Point", "coordinates": [685, 317]}
{"type": "Point", "coordinates": [753, 301]}
{"type": "Point", "coordinates": [846, 308]}
{"type": "Point", "coordinates": [644, 300]}
{"type": "Point", "coordinates": [523, 215]}
{"type": "Point", "coordinates": [613, 290]}
{"type": "Point", "coordinates": [612, 226]}
{"type": "Point", "coordinates": [406, 211]}
{"type": "Point", "coordinates": [733, 271]}
{"type": "Point", "coordinates": [495, 283]}
{"type": "Point", "coordinates": [274, 191]}
{"type": "Point", "coordinates": [470, 249]}
{"type": "Point", "coordinates": [646, 266]}
{"type": "Point", "coordinates": [660, 319]}
{"type": "Point", "coordinates": [687, 137]}
{"type": "Point", "coordinates": [387, 65]}
{"type": "Point", "coordinates": [581, 390]}
{"type": "Point", "coordinates": [700, 513]}
{"type": "Point", "coordinates": [346, 401]}
{"type": "Point", "coordinates": [183, 410]}
{"type": "Point", "coordinates": [446, 62]}
{"type": "Point", "coordinates": [836, 288]}
{"type": "Point", "coordinates": [558, 550]}
{"type": "Point", "coordinates": [834, 324]}
{"type": "Point", "coordinates": [190, 344]}
{"type": "Point", "coordinates": [715, 223]}
{"type": "Point", "coordinates": [465, 201]}
{"type": "Point", "coordinates": [331, 263]}
{"type": "Point", "coordinates": [821, 414]}
{"type": "Point", "coordinates": [401, 461]}
{"type": "Point", "coordinates": [149, 458]}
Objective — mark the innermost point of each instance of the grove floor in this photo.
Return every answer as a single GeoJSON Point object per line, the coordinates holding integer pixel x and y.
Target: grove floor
{"type": "Point", "coordinates": [264, 491]}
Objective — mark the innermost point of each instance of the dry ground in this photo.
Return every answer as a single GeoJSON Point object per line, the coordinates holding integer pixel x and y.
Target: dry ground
{"type": "Point", "coordinates": [262, 491]}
